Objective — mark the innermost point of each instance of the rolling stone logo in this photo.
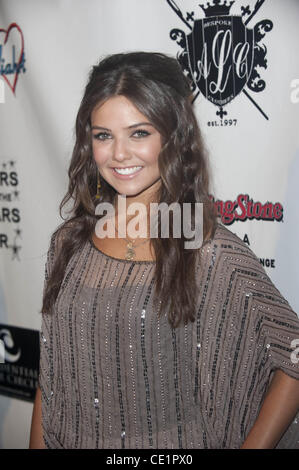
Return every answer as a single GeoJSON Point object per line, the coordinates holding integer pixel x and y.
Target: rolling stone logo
{"type": "Point", "coordinates": [244, 208]}
{"type": "Point", "coordinates": [222, 54]}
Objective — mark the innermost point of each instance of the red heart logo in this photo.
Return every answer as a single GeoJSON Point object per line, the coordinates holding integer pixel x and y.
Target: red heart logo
{"type": "Point", "coordinates": [15, 76]}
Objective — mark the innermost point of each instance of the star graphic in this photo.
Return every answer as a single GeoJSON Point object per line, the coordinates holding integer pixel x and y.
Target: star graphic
{"type": "Point", "coordinates": [18, 232]}
{"type": "Point", "coordinates": [12, 163]}
{"type": "Point", "coordinates": [15, 251]}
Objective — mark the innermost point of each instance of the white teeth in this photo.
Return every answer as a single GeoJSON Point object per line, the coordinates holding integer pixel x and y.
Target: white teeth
{"type": "Point", "coordinates": [127, 171]}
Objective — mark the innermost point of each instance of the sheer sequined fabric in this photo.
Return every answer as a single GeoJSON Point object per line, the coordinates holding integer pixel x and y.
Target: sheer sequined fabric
{"type": "Point", "coordinates": [113, 375]}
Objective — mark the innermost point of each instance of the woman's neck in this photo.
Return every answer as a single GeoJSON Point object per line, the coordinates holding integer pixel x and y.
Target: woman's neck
{"type": "Point", "coordinates": [128, 207]}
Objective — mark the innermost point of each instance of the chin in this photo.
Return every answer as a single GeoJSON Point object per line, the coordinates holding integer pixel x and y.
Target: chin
{"type": "Point", "coordinates": [130, 193]}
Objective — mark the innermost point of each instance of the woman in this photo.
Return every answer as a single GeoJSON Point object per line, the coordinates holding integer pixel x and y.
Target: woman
{"type": "Point", "coordinates": [145, 343]}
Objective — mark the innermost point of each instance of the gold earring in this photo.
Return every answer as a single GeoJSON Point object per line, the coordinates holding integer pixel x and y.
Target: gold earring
{"type": "Point", "coordinates": [98, 186]}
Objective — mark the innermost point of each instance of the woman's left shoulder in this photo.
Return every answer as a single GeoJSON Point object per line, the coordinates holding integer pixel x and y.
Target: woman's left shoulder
{"type": "Point", "coordinates": [226, 246]}
{"type": "Point", "coordinates": [232, 261]}
{"type": "Point", "coordinates": [225, 238]}
{"type": "Point", "coordinates": [247, 289]}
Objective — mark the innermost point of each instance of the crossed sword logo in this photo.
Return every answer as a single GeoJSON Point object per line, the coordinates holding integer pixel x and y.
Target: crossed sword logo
{"type": "Point", "coordinates": [189, 17]}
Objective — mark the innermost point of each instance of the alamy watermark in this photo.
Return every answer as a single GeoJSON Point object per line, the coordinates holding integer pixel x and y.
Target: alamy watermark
{"type": "Point", "coordinates": [181, 217]}
{"type": "Point", "coordinates": [295, 91]}
{"type": "Point", "coordinates": [295, 353]}
{"type": "Point", "coordinates": [2, 352]}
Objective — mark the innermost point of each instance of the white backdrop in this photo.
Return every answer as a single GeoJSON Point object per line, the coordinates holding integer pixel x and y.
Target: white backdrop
{"type": "Point", "coordinates": [254, 156]}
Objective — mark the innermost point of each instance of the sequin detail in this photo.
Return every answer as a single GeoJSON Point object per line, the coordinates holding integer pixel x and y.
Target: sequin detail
{"type": "Point", "coordinates": [114, 375]}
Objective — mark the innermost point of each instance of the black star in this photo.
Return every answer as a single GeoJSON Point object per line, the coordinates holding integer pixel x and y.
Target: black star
{"type": "Point", "coordinates": [4, 165]}
{"type": "Point", "coordinates": [16, 194]}
{"type": "Point", "coordinates": [18, 232]}
{"type": "Point", "coordinates": [12, 163]}
{"type": "Point", "coordinates": [15, 250]}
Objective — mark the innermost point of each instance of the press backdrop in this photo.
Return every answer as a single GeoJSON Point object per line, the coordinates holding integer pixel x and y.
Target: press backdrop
{"type": "Point", "coordinates": [245, 69]}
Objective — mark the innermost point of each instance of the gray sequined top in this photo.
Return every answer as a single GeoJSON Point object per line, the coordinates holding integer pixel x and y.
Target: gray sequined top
{"type": "Point", "coordinates": [114, 375]}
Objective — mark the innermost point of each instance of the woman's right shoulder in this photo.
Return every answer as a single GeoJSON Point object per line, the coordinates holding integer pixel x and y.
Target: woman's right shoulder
{"type": "Point", "coordinates": [56, 241]}
{"type": "Point", "coordinates": [58, 236]}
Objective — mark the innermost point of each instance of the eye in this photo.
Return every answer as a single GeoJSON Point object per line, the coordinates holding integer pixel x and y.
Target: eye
{"type": "Point", "coordinates": [101, 136]}
{"type": "Point", "coordinates": [141, 133]}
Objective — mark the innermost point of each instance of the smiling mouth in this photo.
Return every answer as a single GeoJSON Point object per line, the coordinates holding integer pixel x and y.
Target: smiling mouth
{"type": "Point", "coordinates": [128, 170]}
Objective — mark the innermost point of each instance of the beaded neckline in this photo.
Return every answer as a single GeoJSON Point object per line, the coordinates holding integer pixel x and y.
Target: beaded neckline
{"type": "Point", "coordinates": [119, 259]}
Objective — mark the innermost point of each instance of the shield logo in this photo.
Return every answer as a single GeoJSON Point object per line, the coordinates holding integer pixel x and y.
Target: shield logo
{"type": "Point", "coordinates": [221, 56]}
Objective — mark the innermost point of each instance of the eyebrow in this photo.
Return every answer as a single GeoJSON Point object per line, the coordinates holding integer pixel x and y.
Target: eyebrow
{"type": "Point", "coordinates": [129, 127]}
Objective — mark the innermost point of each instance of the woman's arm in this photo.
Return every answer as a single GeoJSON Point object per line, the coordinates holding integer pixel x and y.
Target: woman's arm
{"type": "Point", "coordinates": [36, 433]}
{"type": "Point", "coordinates": [279, 408]}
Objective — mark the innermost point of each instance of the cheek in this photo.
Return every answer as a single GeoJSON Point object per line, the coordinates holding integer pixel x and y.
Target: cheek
{"type": "Point", "coordinates": [99, 154]}
{"type": "Point", "coordinates": [151, 153]}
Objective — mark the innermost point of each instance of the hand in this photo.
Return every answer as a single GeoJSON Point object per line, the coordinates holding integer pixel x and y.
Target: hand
{"type": "Point", "coordinates": [278, 410]}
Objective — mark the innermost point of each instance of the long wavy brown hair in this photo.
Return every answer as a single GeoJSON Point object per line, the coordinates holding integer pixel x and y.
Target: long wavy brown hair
{"type": "Point", "coordinates": [156, 85]}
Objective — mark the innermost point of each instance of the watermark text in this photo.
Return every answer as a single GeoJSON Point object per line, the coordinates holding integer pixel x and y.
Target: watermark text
{"type": "Point", "coordinates": [2, 352]}
{"type": "Point", "coordinates": [295, 91]}
{"type": "Point", "coordinates": [192, 227]}
{"type": "Point", "coordinates": [295, 353]}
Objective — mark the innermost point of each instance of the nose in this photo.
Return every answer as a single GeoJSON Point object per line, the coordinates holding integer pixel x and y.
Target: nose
{"type": "Point", "coordinates": [120, 150]}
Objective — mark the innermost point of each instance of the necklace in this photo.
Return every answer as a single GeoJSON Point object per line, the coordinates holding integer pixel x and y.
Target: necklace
{"type": "Point", "coordinates": [130, 248]}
